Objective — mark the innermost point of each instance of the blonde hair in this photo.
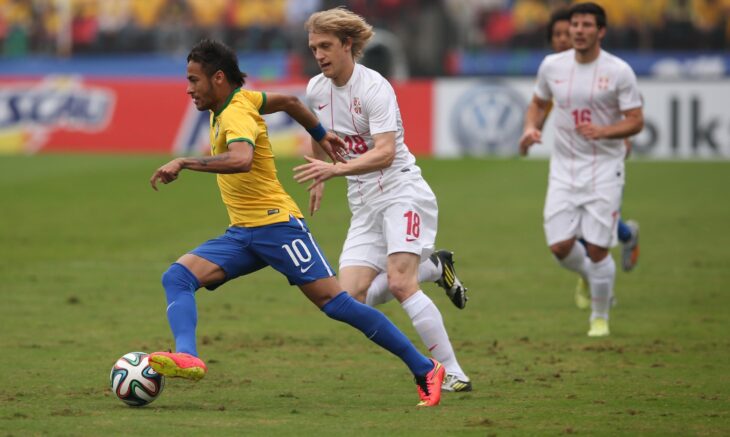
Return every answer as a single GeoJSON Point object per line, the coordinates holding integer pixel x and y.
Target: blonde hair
{"type": "Point", "coordinates": [343, 24]}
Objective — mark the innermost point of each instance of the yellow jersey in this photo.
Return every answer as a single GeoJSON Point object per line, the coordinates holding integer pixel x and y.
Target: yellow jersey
{"type": "Point", "coordinates": [255, 198]}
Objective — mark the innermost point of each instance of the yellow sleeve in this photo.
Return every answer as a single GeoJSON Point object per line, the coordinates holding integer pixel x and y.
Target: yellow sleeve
{"type": "Point", "coordinates": [240, 125]}
{"type": "Point", "coordinates": [257, 98]}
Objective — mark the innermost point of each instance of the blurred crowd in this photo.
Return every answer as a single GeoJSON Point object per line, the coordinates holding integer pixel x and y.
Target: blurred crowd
{"type": "Point", "coordinates": [427, 29]}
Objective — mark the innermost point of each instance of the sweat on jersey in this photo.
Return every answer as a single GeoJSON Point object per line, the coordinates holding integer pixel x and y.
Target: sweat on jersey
{"type": "Point", "coordinates": [597, 92]}
{"type": "Point", "coordinates": [365, 106]}
{"type": "Point", "coordinates": [255, 198]}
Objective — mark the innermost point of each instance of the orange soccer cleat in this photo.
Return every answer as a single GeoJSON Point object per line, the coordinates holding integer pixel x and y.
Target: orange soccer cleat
{"type": "Point", "coordinates": [178, 364]}
{"type": "Point", "coordinates": [429, 386]}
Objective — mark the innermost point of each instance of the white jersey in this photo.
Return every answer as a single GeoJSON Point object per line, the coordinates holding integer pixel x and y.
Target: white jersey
{"type": "Point", "coordinates": [597, 92]}
{"type": "Point", "coordinates": [363, 107]}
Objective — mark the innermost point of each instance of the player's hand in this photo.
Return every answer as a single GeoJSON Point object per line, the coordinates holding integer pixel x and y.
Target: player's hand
{"type": "Point", "coordinates": [590, 131]}
{"type": "Point", "coordinates": [529, 137]}
{"type": "Point", "coordinates": [167, 173]}
{"type": "Point", "coordinates": [334, 147]}
{"type": "Point", "coordinates": [316, 171]}
{"type": "Point", "coordinates": [316, 192]}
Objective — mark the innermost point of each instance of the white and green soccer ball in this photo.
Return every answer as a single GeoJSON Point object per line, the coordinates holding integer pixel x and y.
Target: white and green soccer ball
{"type": "Point", "coordinates": [134, 382]}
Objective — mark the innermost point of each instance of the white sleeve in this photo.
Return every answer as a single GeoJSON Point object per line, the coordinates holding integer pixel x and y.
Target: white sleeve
{"type": "Point", "coordinates": [308, 96]}
{"type": "Point", "coordinates": [542, 88]}
{"type": "Point", "coordinates": [381, 108]}
{"type": "Point", "coordinates": [628, 90]}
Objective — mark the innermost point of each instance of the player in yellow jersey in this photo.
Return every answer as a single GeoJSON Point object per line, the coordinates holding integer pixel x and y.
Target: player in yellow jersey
{"type": "Point", "coordinates": [266, 226]}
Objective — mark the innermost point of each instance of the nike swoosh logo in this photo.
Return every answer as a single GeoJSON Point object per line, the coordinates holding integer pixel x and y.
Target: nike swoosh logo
{"type": "Point", "coordinates": [305, 270]}
{"type": "Point", "coordinates": [408, 239]}
{"type": "Point", "coordinates": [558, 81]}
{"type": "Point", "coordinates": [322, 106]}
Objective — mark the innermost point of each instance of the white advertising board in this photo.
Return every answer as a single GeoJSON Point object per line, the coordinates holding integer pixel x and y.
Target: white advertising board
{"type": "Point", "coordinates": [484, 117]}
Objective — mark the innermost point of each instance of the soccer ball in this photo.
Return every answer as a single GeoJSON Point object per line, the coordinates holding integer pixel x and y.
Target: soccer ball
{"type": "Point", "coordinates": [134, 382]}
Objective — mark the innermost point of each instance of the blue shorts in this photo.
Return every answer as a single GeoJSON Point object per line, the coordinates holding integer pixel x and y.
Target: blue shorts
{"type": "Point", "coordinates": [287, 247]}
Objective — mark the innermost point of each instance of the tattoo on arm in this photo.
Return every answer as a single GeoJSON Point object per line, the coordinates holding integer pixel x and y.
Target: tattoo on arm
{"type": "Point", "coordinates": [204, 160]}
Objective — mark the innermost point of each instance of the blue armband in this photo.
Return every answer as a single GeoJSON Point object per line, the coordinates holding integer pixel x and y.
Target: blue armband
{"type": "Point", "coordinates": [317, 132]}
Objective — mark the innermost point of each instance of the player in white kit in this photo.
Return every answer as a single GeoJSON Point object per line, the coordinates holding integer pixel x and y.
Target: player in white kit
{"type": "Point", "coordinates": [596, 104]}
{"type": "Point", "coordinates": [394, 211]}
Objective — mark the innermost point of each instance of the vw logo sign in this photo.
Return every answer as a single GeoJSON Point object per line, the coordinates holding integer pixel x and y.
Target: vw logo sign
{"type": "Point", "coordinates": [488, 120]}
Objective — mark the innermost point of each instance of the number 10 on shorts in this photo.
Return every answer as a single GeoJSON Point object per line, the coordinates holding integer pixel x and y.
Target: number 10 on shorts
{"type": "Point", "coordinates": [298, 252]}
{"type": "Point", "coordinates": [413, 225]}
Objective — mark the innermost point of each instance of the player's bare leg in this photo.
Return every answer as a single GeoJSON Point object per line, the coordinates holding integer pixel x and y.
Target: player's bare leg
{"type": "Point", "coordinates": [356, 280]}
{"type": "Point", "coordinates": [438, 268]}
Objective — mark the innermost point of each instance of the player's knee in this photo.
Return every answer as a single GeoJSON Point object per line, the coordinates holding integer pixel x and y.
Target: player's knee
{"type": "Point", "coordinates": [358, 296]}
{"type": "Point", "coordinates": [562, 249]}
{"type": "Point", "coordinates": [337, 307]}
{"type": "Point", "coordinates": [401, 286]}
{"type": "Point", "coordinates": [596, 253]}
{"type": "Point", "coordinates": [178, 278]}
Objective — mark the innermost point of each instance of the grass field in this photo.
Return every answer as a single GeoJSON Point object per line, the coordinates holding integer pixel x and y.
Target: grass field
{"type": "Point", "coordinates": [84, 240]}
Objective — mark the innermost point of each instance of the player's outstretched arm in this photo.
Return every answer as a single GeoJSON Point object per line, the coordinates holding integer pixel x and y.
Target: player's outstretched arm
{"type": "Point", "coordinates": [379, 157]}
{"type": "Point", "coordinates": [238, 159]}
{"type": "Point", "coordinates": [332, 145]}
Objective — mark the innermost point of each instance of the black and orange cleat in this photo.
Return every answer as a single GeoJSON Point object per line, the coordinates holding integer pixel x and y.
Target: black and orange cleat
{"type": "Point", "coordinates": [429, 385]}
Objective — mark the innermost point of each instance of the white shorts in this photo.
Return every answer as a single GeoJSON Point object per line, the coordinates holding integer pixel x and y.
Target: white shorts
{"type": "Point", "coordinates": [405, 221]}
{"type": "Point", "coordinates": [589, 214]}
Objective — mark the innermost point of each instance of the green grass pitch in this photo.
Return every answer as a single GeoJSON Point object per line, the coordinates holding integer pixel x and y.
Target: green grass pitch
{"type": "Point", "coordinates": [84, 240]}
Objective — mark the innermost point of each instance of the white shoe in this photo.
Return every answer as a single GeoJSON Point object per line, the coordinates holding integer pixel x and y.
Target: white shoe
{"type": "Point", "coordinates": [599, 328]}
{"type": "Point", "coordinates": [453, 383]}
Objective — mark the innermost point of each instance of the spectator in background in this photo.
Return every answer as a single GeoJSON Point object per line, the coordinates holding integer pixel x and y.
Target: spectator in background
{"type": "Point", "coordinates": [710, 18]}
{"type": "Point", "coordinates": [85, 25]}
{"type": "Point", "coordinates": [176, 29]}
{"type": "Point", "coordinates": [641, 18]}
{"type": "Point", "coordinates": [676, 31]}
{"type": "Point", "coordinates": [530, 18]}
{"type": "Point", "coordinates": [429, 30]}
{"type": "Point", "coordinates": [114, 18]}
{"type": "Point", "coordinates": [207, 16]}
{"type": "Point", "coordinates": [18, 18]}
{"type": "Point", "coordinates": [256, 24]}
{"type": "Point", "coordinates": [145, 18]}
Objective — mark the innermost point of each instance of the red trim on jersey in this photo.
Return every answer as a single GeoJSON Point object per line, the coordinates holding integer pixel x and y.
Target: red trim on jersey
{"type": "Point", "coordinates": [593, 142]}
{"type": "Point", "coordinates": [354, 127]}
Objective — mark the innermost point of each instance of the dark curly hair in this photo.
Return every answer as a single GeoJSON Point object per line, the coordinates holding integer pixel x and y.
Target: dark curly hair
{"type": "Point", "coordinates": [590, 8]}
{"type": "Point", "coordinates": [558, 15]}
{"type": "Point", "coordinates": [213, 56]}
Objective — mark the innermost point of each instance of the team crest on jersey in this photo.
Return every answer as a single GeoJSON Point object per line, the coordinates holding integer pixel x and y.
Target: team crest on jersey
{"type": "Point", "coordinates": [603, 83]}
{"type": "Point", "coordinates": [356, 105]}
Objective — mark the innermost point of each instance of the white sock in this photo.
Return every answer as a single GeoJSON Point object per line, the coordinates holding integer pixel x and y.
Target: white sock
{"type": "Point", "coordinates": [379, 293]}
{"type": "Point", "coordinates": [601, 276]}
{"type": "Point", "coordinates": [577, 260]}
{"type": "Point", "coordinates": [429, 324]}
{"type": "Point", "coordinates": [428, 271]}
